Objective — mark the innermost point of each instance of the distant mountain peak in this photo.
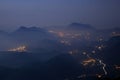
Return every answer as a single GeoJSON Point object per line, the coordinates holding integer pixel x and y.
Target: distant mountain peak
{"type": "Point", "coordinates": [75, 24]}
{"type": "Point", "coordinates": [23, 28]}
{"type": "Point", "coordinates": [80, 26]}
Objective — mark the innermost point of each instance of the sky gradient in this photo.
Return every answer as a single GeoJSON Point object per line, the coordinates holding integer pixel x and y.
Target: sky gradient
{"type": "Point", "coordinates": [98, 13]}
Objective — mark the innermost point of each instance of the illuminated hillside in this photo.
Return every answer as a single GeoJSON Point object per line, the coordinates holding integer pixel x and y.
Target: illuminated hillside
{"type": "Point", "coordinates": [19, 49]}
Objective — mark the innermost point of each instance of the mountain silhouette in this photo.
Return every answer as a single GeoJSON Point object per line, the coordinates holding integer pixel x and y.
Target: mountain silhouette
{"type": "Point", "coordinates": [80, 26]}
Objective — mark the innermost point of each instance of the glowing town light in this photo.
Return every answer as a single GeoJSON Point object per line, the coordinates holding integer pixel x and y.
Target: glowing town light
{"type": "Point", "coordinates": [61, 34]}
{"type": "Point", "coordinates": [19, 49]}
{"type": "Point", "coordinates": [89, 61]}
{"type": "Point", "coordinates": [94, 52]}
{"type": "Point", "coordinates": [115, 34]}
{"type": "Point", "coordinates": [70, 52]}
{"type": "Point", "coordinates": [84, 53]}
{"type": "Point", "coordinates": [98, 75]}
{"type": "Point", "coordinates": [117, 67]}
{"type": "Point", "coordinates": [100, 48]}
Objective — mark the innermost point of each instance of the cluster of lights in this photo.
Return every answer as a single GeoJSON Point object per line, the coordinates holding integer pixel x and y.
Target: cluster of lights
{"type": "Point", "coordinates": [115, 34]}
{"type": "Point", "coordinates": [83, 76]}
{"type": "Point", "coordinates": [93, 61]}
{"type": "Point", "coordinates": [117, 67]}
{"type": "Point", "coordinates": [70, 35]}
{"type": "Point", "coordinates": [19, 49]}
{"type": "Point", "coordinates": [60, 34]}
{"type": "Point", "coordinates": [89, 61]}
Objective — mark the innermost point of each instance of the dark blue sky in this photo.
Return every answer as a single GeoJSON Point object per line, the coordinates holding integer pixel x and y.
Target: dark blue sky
{"type": "Point", "coordinates": [99, 13]}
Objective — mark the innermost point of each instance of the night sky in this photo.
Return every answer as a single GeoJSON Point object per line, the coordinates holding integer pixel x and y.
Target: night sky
{"type": "Point", "coordinates": [98, 13]}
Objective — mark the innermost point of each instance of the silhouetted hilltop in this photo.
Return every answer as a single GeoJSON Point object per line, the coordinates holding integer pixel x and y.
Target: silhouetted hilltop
{"type": "Point", "coordinates": [29, 31]}
{"type": "Point", "coordinates": [80, 26]}
{"type": "Point", "coordinates": [32, 33]}
{"type": "Point", "coordinates": [23, 28]}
